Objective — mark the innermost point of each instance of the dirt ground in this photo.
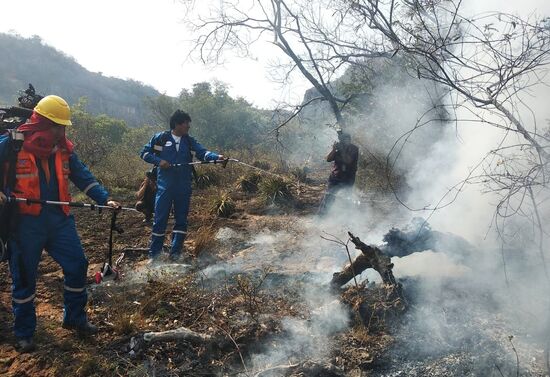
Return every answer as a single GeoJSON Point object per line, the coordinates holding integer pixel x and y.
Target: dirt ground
{"type": "Point", "coordinates": [243, 287]}
{"type": "Point", "coordinates": [234, 309]}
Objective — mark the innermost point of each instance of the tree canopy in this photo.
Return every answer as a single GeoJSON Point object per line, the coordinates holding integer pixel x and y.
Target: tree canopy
{"type": "Point", "coordinates": [218, 120]}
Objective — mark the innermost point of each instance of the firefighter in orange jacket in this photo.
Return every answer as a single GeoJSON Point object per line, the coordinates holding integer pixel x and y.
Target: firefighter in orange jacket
{"type": "Point", "coordinates": [44, 166]}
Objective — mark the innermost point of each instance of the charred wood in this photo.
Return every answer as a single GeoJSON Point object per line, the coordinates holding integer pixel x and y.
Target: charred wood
{"type": "Point", "coordinates": [419, 236]}
{"type": "Point", "coordinates": [371, 257]}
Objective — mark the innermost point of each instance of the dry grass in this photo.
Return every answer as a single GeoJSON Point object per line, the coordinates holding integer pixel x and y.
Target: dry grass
{"type": "Point", "coordinates": [88, 366]}
{"type": "Point", "coordinates": [204, 239]}
{"type": "Point", "coordinates": [124, 324]}
{"type": "Point", "coordinates": [374, 308]}
{"type": "Point", "coordinates": [261, 164]}
{"type": "Point", "coordinates": [300, 173]}
{"type": "Point", "coordinates": [374, 175]}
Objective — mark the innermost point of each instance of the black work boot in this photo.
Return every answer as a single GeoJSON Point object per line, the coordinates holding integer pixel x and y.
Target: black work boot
{"type": "Point", "coordinates": [180, 258]}
{"type": "Point", "coordinates": [176, 258]}
{"type": "Point", "coordinates": [25, 345]}
{"type": "Point", "coordinates": [82, 330]}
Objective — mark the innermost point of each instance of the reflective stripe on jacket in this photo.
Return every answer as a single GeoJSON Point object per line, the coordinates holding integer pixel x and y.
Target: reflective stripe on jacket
{"type": "Point", "coordinates": [28, 181]}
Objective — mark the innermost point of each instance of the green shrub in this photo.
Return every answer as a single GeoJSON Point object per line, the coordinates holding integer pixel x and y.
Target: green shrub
{"type": "Point", "coordinates": [223, 205]}
{"type": "Point", "coordinates": [121, 168]}
{"type": "Point", "coordinates": [206, 178]}
{"type": "Point", "coordinates": [275, 190]}
{"type": "Point", "coordinates": [300, 173]}
{"type": "Point", "coordinates": [249, 182]}
{"type": "Point", "coordinates": [264, 165]}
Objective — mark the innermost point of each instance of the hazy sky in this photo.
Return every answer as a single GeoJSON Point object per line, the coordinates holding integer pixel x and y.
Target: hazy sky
{"type": "Point", "coordinates": [137, 39]}
{"type": "Point", "coordinates": [146, 40]}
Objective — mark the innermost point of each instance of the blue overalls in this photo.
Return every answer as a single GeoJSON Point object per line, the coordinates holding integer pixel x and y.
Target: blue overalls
{"type": "Point", "coordinates": [55, 232]}
{"type": "Point", "coordinates": [174, 186]}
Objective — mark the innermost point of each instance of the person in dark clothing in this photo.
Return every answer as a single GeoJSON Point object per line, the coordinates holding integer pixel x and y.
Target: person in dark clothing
{"type": "Point", "coordinates": [344, 156]}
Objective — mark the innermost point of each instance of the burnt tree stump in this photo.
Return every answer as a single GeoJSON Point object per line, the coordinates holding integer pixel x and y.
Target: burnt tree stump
{"type": "Point", "coordinates": [372, 257]}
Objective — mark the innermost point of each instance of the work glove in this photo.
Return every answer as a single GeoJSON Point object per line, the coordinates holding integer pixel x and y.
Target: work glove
{"type": "Point", "coordinates": [3, 198]}
{"type": "Point", "coordinates": [113, 204]}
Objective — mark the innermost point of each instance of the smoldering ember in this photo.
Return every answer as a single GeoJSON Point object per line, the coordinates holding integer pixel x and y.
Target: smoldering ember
{"type": "Point", "coordinates": [391, 222]}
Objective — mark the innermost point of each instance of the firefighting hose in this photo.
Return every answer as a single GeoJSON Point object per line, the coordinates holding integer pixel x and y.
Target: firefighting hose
{"type": "Point", "coordinates": [92, 207]}
{"type": "Point", "coordinates": [109, 271]}
{"type": "Point", "coordinates": [224, 162]}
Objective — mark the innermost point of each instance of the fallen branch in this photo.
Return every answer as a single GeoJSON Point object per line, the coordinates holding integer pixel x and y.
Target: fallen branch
{"type": "Point", "coordinates": [135, 249]}
{"type": "Point", "coordinates": [139, 343]}
{"type": "Point", "coordinates": [181, 333]}
{"type": "Point", "coordinates": [276, 368]}
{"type": "Point", "coordinates": [372, 257]}
{"type": "Point", "coordinates": [340, 242]}
{"type": "Point", "coordinates": [236, 346]}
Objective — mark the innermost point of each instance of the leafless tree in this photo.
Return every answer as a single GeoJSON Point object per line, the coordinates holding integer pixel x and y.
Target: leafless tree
{"type": "Point", "coordinates": [489, 64]}
{"type": "Point", "coordinates": [486, 61]}
{"type": "Point", "coordinates": [305, 32]}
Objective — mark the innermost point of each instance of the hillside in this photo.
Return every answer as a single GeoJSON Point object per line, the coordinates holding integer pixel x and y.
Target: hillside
{"type": "Point", "coordinates": [29, 60]}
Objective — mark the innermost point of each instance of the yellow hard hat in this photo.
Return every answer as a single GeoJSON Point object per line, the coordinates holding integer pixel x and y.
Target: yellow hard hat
{"type": "Point", "coordinates": [55, 109]}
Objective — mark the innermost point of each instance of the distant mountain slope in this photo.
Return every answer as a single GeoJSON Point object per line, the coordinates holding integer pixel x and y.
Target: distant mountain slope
{"type": "Point", "coordinates": [24, 61]}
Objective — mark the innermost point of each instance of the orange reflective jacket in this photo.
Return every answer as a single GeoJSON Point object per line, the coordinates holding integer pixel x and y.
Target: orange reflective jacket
{"type": "Point", "coordinates": [28, 182]}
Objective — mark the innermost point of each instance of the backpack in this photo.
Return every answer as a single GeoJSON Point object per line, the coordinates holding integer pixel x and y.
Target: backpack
{"type": "Point", "coordinates": [9, 212]}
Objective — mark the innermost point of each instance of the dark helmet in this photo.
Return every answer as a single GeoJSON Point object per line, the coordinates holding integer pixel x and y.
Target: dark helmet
{"type": "Point", "coordinates": [343, 136]}
{"type": "Point", "coordinates": [179, 117]}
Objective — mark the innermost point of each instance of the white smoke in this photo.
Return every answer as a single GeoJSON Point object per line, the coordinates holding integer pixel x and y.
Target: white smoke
{"type": "Point", "coordinates": [294, 254]}
{"type": "Point", "coordinates": [503, 285]}
{"type": "Point", "coordinates": [457, 304]}
{"type": "Point", "coordinates": [502, 290]}
{"type": "Point", "coordinates": [305, 339]}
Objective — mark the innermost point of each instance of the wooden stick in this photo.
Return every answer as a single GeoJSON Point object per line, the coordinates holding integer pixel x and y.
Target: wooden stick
{"type": "Point", "coordinates": [181, 333]}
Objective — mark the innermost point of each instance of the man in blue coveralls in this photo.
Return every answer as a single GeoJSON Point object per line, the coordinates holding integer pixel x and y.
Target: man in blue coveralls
{"type": "Point", "coordinates": [43, 167]}
{"type": "Point", "coordinates": [174, 182]}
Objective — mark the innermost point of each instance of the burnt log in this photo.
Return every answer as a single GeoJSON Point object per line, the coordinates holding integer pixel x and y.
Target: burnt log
{"type": "Point", "coordinates": [371, 257]}
{"type": "Point", "coordinates": [418, 236]}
